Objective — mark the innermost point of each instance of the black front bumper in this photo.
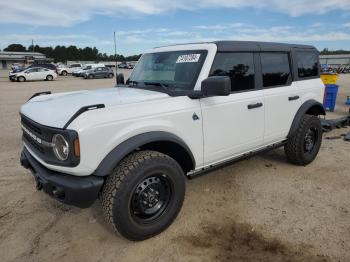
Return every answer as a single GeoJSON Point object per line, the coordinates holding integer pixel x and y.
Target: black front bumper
{"type": "Point", "coordinates": [72, 190]}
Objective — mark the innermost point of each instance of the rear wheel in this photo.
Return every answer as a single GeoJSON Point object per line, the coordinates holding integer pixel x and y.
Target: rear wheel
{"type": "Point", "coordinates": [21, 79]}
{"type": "Point", "coordinates": [49, 78]}
{"type": "Point", "coordinates": [143, 195]}
{"type": "Point", "coordinates": [303, 146]}
{"type": "Point", "coordinates": [64, 73]}
{"type": "Point", "coordinates": [91, 76]}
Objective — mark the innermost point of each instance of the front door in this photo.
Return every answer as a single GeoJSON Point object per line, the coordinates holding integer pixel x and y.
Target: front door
{"type": "Point", "coordinates": [234, 124]}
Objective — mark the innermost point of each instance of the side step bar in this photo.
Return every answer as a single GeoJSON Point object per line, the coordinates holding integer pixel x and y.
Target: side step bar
{"type": "Point", "coordinates": [214, 167]}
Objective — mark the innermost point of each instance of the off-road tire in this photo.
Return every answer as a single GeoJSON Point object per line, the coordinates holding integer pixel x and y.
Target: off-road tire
{"type": "Point", "coordinates": [49, 77]}
{"type": "Point", "coordinates": [295, 147]}
{"type": "Point", "coordinates": [21, 79]}
{"type": "Point", "coordinates": [118, 191]}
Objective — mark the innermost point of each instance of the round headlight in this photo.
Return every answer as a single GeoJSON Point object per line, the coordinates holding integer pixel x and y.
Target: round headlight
{"type": "Point", "coordinates": [60, 147]}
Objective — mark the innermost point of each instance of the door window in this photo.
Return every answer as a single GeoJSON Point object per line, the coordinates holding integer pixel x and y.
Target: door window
{"type": "Point", "coordinates": [275, 69]}
{"type": "Point", "coordinates": [32, 70]}
{"type": "Point", "coordinates": [238, 66]}
{"type": "Point", "coordinates": [307, 64]}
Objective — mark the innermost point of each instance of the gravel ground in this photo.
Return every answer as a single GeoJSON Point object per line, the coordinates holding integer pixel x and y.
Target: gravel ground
{"type": "Point", "coordinates": [261, 209]}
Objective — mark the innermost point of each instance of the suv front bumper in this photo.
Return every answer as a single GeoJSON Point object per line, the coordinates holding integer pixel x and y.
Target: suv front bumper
{"type": "Point", "coordinates": [72, 190]}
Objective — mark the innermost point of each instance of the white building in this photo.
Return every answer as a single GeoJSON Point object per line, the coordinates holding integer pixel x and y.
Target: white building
{"type": "Point", "coordinates": [335, 60]}
{"type": "Point", "coordinates": [8, 58]}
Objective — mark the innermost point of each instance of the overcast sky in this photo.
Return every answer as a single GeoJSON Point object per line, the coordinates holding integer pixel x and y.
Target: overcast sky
{"type": "Point", "coordinates": [142, 24]}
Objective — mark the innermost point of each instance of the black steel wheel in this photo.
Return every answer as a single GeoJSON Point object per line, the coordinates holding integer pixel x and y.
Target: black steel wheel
{"type": "Point", "coordinates": [150, 198]}
{"type": "Point", "coordinates": [143, 195]}
{"type": "Point", "coordinates": [303, 146]}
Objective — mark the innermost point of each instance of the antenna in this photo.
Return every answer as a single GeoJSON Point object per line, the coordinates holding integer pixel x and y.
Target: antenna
{"type": "Point", "coordinates": [116, 63]}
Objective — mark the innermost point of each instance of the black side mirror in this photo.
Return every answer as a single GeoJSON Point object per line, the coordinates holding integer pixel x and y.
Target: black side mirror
{"type": "Point", "coordinates": [120, 79]}
{"type": "Point", "coordinates": [216, 86]}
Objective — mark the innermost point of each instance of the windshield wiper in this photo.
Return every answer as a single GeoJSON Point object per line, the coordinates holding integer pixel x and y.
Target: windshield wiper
{"type": "Point", "coordinates": [156, 84]}
{"type": "Point", "coordinates": [132, 83]}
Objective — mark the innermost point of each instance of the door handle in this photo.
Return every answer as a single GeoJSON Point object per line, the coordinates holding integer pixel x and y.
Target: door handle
{"type": "Point", "coordinates": [291, 98]}
{"type": "Point", "coordinates": [252, 106]}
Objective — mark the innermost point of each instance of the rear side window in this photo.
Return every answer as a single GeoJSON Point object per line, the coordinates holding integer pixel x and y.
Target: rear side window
{"type": "Point", "coordinates": [275, 69]}
{"type": "Point", "coordinates": [238, 66]}
{"type": "Point", "coordinates": [307, 64]}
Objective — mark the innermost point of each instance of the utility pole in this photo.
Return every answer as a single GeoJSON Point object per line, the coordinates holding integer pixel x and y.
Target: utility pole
{"type": "Point", "coordinates": [32, 45]}
{"type": "Point", "coordinates": [116, 63]}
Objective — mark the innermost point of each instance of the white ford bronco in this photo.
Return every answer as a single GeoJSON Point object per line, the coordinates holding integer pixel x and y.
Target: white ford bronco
{"type": "Point", "coordinates": [185, 110]}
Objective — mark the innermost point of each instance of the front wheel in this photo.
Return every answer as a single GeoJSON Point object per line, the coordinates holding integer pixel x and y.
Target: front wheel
{"type": "Point", "coordinates": [21, 79]}
{"type": "Point", "coordinates": [64, 73]}
{"type": "Point", "coordinates": [303, 146]}
{"type": "Point", "coordinates": [143, 195]}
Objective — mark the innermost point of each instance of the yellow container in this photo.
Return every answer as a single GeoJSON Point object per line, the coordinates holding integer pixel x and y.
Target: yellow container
{"type": "Point", "coordinates": [329, 79]}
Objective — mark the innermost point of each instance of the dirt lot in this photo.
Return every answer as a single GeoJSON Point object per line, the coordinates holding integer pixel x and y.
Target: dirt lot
{"type": "Point", "coordinates": [261, 209]}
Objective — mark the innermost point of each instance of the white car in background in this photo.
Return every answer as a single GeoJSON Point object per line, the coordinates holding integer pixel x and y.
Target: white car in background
{"type": "Point", "coordinates": [34, 73]}
{"type": "Point", "coordinates": [86, 67]}
{"type": "Point", "coordinates": [65, 70]}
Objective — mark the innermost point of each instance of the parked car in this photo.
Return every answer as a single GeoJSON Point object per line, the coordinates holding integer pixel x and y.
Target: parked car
{"type": "Point", "coordinates": [85, 68]}
{"type": "Point", "coordinates": [98, 72]}
{"type": "Point", "coordinates": [33, 73]}
{"type": "Point", "coordinates": [125, 65]}
{"type": "Point", "coordinates": [65, 70]}
{"type": "Point", "coordinates": [186, 110]}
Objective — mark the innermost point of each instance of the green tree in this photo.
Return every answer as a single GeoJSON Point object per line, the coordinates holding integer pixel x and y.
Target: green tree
{"type": "Point", "coordinates": [15, 48]}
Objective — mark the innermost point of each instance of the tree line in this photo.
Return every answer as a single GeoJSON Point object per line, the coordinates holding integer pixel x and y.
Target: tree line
{"type": "Point", "coordinates": [334, 52]}
{"type": "Point", "coordinates": [62, 53]}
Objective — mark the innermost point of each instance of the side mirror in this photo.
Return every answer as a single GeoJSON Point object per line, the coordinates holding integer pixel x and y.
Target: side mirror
{"type": "Point", "coordinates": [216, 86]}
{"type": "Point", "coordinates": [120, 79]}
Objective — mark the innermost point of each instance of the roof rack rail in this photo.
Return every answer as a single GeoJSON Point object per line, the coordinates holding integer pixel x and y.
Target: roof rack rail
{"type": "Point", "coordinates": [82, 110]}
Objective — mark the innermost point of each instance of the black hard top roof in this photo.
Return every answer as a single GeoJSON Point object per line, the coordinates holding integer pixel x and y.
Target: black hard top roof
{"type": "Point", "coordinates": [234, 46]}
{"type": "Point", "coordinates": [257, 46]}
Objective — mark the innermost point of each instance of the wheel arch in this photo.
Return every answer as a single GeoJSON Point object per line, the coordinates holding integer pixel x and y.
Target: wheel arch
{"type": "Point", "coordinates": [160, 141]}
{"type": "Point", "coordinates": [310, 107]}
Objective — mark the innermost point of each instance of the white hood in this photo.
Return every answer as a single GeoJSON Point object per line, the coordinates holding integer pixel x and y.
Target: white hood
{"type": "Point", "coordinates": [56, 109]}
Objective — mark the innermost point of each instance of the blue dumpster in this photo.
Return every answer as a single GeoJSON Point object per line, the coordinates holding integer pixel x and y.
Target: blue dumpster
{"type": "Point", "coordinates": [330, 97]}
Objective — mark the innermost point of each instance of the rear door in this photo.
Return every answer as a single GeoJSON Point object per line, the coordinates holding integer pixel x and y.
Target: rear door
{"type": "Point", "coordinates": [42, 73]}
{"type": "Point", "coordinates": [307, 72]}
{"type": "Point", "coordinates": [233, 124]}
{"type": "Point", "coordinates": [281, 93]}
{"type": "Point", "coordinates": [99, 72]}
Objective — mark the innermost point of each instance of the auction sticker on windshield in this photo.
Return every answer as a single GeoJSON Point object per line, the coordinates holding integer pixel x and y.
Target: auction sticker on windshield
{"type": "Point", "coordinates": [190, 58]}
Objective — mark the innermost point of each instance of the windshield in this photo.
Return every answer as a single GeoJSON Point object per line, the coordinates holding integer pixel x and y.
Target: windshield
{"type": "Point", "coordinates": [173, 71]}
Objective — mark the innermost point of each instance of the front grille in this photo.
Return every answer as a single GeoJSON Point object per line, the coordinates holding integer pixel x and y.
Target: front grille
{"type": "Point", "coordinates": [31, 126]}
{"type": "Point", "coordinates": [36, 130]}
{"type": "Point", "coordinates": [32, 143]}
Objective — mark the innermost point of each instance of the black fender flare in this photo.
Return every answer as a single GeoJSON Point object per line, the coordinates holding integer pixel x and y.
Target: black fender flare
{"type": "Point", "coordinates": [123, 149]}
{"type": "Point", "coordinates": [305, 107]}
